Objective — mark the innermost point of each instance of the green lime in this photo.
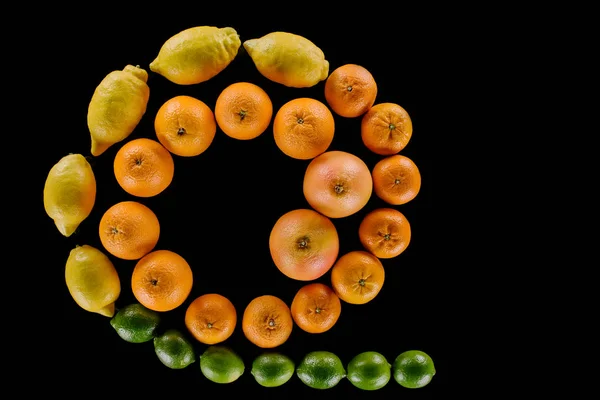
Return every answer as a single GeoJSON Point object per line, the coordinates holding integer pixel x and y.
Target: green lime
{"type": "Point", "coordinates": [174, 350]}
{"type": "Point", "coordinates": [136, 323]}
{"type": "Point", "coordinates": [220, 364]}
{"type": "Point", "coordinates": [272, 369]}
{"type": "Point", "coordinates": [413, 369]}
{"type": "Point", "coordinates": [369, 371]}
{"type": "Point", "coordinates": [321, 370]}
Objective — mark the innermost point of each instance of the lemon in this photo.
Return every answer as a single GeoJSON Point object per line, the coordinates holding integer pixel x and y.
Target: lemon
{"type": "Point", "coordinates": [70, 192]}
{"type": "Point", "coordinates": [289, 59]}
{"type": "Point", "coordinates": [196, 54]}
{"type": "Point", "coordinates": [117, 106]}
{"type": "Point", "coordinates": [92, 280]}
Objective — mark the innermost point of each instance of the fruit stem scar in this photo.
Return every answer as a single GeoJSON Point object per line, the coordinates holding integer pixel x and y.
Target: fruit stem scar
{"type": "Point", "coordinates": [209, 325]}
{"type": "Point", "coordinates": [242, 114]}
{"type": "Point", "coordinates": [303, 243]}
{"type": "Point", "coordinates": [154, 282]}
{"type": "Point", "coordinates": [114, 230]}
{"type": "Point", "coordinates": [300, 121]}
{"type": "Point", "coordinates": [338, 188]}
{"type": "Point", "coordinates": [349, 88]}
{"type": "Point", "coordinates": [318, 310]}
{"type": "Point", "coordinates": [138, 161]}
{"type": "Point", "coordinates": [361, 282]}
{"type": "Point", "coordinates": [271, 322]}
{"type": "Point", "coordinates": [386, 236]}
{"type": "Point", "coordinates": [181, 131]}
{"type": "Point", "coordinates": [392, 126]}
{"type": "Point", "coordinates": [396, 181]}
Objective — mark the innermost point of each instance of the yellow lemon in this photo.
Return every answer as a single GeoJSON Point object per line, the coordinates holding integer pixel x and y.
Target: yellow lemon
{"type": "Point", "coordinates": [117, 106]}
{"type": "Point", "coordinates": [289, 59]}
{"type": "Point", "coordinates": [70, 192]}
{"type": "Point", "coordinates": [196, 54]}
{"type": "Point", "coordinates": [92, 280]}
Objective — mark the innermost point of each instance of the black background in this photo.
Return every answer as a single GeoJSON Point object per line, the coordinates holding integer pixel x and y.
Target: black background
{"type": "Point", "coordinates": [222, 204]}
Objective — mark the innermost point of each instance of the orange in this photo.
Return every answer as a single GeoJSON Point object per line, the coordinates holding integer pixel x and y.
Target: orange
{"type": "Point", "coordinates": [303, 128]}
{"type": "Point", "coordinates": [211, 318]}
{"type": "Point", "coordinates": [386, 128]}
{"type": "Point", "coordinates": [396, 179]}
{"type": "Point", "coordinates": [243, 110]}
{"type": "Point", "coordinates": [357, 277]}
{"type": "Point", "coordinates": [337, 184]}
{"type": "Point", "coordinates": [129, 230]}
{"type": "Point", "coordinates": [162, 280]}
{"type": "Point", "coordinates": [143, 167]}
{"type": "Point", "coordinates": [316, 308]}
{"type": "Point", "coordinates": [384, 232]}
{"type": "Point", "coordinates": [303, 244]}
{"type": "Point", "coordinates": [185, 125]}
{"type": "Point", "coordinates": [350, 90]}
{"type": "Point", "coordinates": [267, 321]}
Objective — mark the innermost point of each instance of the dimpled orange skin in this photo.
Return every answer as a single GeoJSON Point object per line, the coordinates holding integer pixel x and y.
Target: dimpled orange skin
{"type": "Point", "coordinates": [316, 308]}
{"type": "Point", "coordinates": [357, 277]}
{"type": "Point", "coordinates": [350, 90]}
{"type": "Point", "coordinates": [386, 128]}
{"type": "Point", "coordinates": [396, 179]}
{"type": "Point", "coordinates": [337, 184]}
{"type": "Point", "coordinates": [303, 244]}
{"type": "Point", "coordinates": [211, 318]}
{"type": "Point", "coordinates": [385, 232]}
{"type": "Point", "coordinates": [267, 321]}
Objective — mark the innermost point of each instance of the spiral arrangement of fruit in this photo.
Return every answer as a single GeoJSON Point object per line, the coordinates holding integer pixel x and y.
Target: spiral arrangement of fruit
{"type": "Point", "coordinates": [303, 243]}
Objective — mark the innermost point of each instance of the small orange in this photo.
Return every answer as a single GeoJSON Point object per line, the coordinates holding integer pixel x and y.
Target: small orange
{"type": "Point", "coordinates": [162, 280]}
{"type": "Point", "coordinates": [396, 179]}
{"type": "Point", "coordinates": [385, 232]}
{"type": "Point", "coordinates": [129, 230]}
{"type": "Point", "coordinates": [267, 321]}
{"type": "Point", "coordinates": [303, 128]}
{"type": "Point", "coordinates": [211, 318]}
{"type": "Point", "coordinates": [386, 128]}
{"type": "Point", "coordinates": [316, 308]}
{"type": "Point", "coordinates": [357, 277]}
{"type": "Point", "coordinates": [350, 90]}
{"type": "Point", "coordinates": [143, 167]}
{"type": "Point", "coordinates": [243, 110]}
{"type": "Point", "coordinates": [185, 125]}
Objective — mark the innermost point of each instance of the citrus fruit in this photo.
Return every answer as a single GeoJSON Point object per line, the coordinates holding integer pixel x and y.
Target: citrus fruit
{"type": "Point", "coordinates": [92, 280]}
{"type": "Point", "coordinates": [350, 90]}
{"type": "Point", "coordinates": [220, 364]}
{"type": "Point", "coordinates": [161, 280]}
{"type": "Point", "coordinates": [321, 370]}
{"type": "Point", "coordinates": [143, 167]}
{"type": "Point", "coordinates": [185, 126]}
{"type": "Point", "coordinates": [303, 244]}
{"type": "Point", "coordinates": [211, 318]}
{"type": "Point", "coordinates": [337, 184]}
{"type": "Point", "coordinates": [129, 230]}
{"type": "Point", "coordinates": [396, 179]}
{"type": "Point", "coordinates": [386, 128]}
{"type": "Point", "coordinates": [272, 369]}
{"type": "Point", "coordinates": [316, 308]}
{"type": "Point", "coordinates": [369, 371]}
{"type": "Point", "coordinates": [357, 277]}
{"type": "Point", "coordinates": [267, 321]}
{"type": "Point", "coordinates": [303, 128]}
{"type": "Point", "coordinates": [384, 232]}
{"type": "Point", "coordinates": [174, 350]}
{"type": "Point", "coordinates": [243, 110]}
{"type": "Point", "coordinates": [70, 192]}
{"type": "Point", "coordinates": [135, 323]}
{"type": "Point", "coordinates": [413, 369]}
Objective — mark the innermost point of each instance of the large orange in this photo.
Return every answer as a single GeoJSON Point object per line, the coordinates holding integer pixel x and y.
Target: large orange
{"type": "Point", "coordinates": [304, 244]}
{"type": "Point", "coordinates": [350, 90]}
{"type": "Point", "coordinates": [316, 308]}
{"type": "Point", "coordinates": [129, 230]}
{"type": "Point", "coordinates": [267, 321]}
{"type": "Point", "coordinates": [384, 232]}
{"type": "Point", "coordinates": [143, 167]}
{"type": "Point", "coordinates": [243, 110]}
{"type": "Point", "coordinates": [396, 179]}
{"type": "Point", "coordinates": [162, 280]}
{"type": "Point", "coordinates": [303, 128]}
{"type": "Point", "coordinates": [211, 318]}
{"type": "Point", "coordinates": [386, 128]}
{"type": "Point", "coordinates": [357, 277]}
{"type": "Point", "coordinates": [185, 125]}
{"type": "Point", "coordinates": [337, 184]}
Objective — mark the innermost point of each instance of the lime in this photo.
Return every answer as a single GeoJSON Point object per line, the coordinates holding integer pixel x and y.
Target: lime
{"type": "Point", "coordinates": [136, 323]}
{"type": "Point", "coordinates": [369, 371]}
{"type": "Point", "coordinates": [321, 370]}
{"type": "Point", "coordinates": [413, 369]}
{"type": "Point", "coordinates": [272, 369]}
{"type": "Point", "coordinates": [174, 350]}
{"type": "Point", "coordinates": [220, 364]}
